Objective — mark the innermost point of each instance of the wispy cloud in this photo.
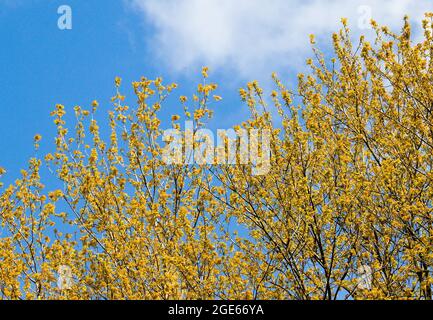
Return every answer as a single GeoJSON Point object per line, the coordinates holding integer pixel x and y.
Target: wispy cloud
{"type": "Point", "coordinates": [253, 37]}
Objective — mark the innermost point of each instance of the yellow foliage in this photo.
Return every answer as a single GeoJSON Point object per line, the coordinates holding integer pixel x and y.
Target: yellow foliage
{"type": "Point", "coordinates": [349, 186]}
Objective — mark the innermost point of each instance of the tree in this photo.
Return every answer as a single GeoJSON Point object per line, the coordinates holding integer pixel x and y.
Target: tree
{"type": "Point", "coordinates": [348, 188]}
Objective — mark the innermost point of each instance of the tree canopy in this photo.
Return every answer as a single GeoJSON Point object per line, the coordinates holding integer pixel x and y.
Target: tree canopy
{"type": "Point", "coordinates": [348, 188]}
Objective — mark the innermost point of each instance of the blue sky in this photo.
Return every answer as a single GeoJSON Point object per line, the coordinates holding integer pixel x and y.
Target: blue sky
{"type": "Point", "coordinates": [42, 65]}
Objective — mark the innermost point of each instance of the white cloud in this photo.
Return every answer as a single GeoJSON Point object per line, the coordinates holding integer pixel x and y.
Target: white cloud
{"type": "Point", "coordinates": [255, 37]}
